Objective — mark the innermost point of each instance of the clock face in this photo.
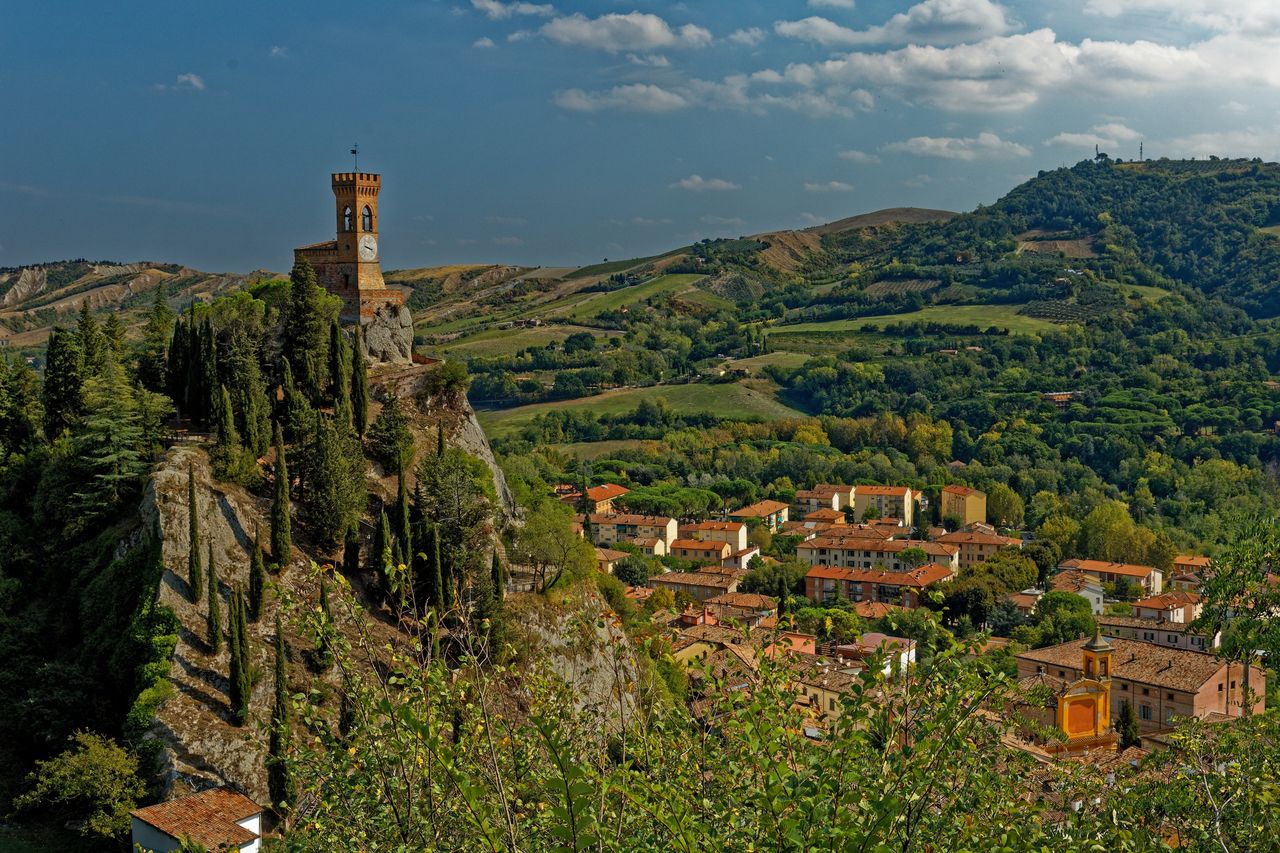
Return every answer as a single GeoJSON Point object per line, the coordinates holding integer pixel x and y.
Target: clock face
{"type": "Point", "coordinates": [368, 248]}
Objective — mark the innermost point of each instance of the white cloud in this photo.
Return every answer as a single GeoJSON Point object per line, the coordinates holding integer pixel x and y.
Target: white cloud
{"type": "Point", "coordinates": [649, 60]}
{"type": "Point", "coordinates": [812, 219]}
{"type": "Point", "coordinates": [722, 220]}
{"type": "Point", "coordinates": [483, 43]}
{"type": "Point", "coordinates": [831, 4]}
{"type": "Point", "coordinates": [854, 156]}
{"type": "Point", "coordinates": [828, 187]}
{"type": "Point", "coordinates": [634, 31]}
{"type": "Point", "coordinates": [184, 82]}
{"type": "Point", "coordinates": [932, 22]}
{"type": "Point", "coordinates": [917, 181]}
{"type": "Point", "coordinates": [497, 11]}
{"type": "Point", "coordinates": [699, 184]}
{"type": "Point", "coordinates": [1107, 135]}
{"type": "Point", "coordinates": [983, 146]}
{"type": "Point", "coordinates": [633, 97]}
{"type": "Point", "coordinates": [750, 37]}
{"type": "Point", "coordinates": [1232, 16]}
{"type": "Point", "coordinates": [1249, 142]}
{"type": "Point", "coordinates": [278, 52]}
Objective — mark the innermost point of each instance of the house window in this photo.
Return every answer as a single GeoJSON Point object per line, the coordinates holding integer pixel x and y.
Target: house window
{"type": "Point", "coordinates": [1040, 671]}
{"type": "Point", "coordinates": [1144, 711]}
{"type": "Point", "coordinates": [1219, 688]}
{"type": "Point", "coordinates": [831, 704]}
{"type": "Point", "coordinates": [1233, 685]}
{"type": "Point", "coordinates": [1124, 687]}
{"type": "Point", "coordinates": [1061, 674]}
{"type": "Point", "coordinates": [1146, 692]}
{"type": "Point", "coordinates": [1170, 696]}
{"type": "Point", "coordinates": [1172, 638]}
{"type": "Point", "coordinates": [1197, 641]}
{"type": "Point", "coordinates": [1148, 636]}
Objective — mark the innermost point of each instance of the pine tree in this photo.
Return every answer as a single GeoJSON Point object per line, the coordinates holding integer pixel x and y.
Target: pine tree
{"type": "Point", "coordinates": [351, 550]}
{"type": "Point", "coordinates": [214, 616]}
{"type": "Point", "coordinates": [359, 384]}
{"type": "Point", "coordinates": [153, 351]}
{"type": "Point", "coordinates": [113, 336]}
{"type": "Point", "coordinates": [306, 331]}
{"type": "Point", "coordinates": [257, 578]}
{"type": "Point", "coordinates": [110, 442]}
{"type": "Point", "coordinates": [63, 391]}
{"type": "Point", "coordinates": [324, 641]}
{"type": "Point", "coordinates": [238, 639]}
{"type": "Point", "coordinates": [195, 572]}
{"type": "Point", "coordinates": [281, 535]}
{"type": "Point", "coordinates": [93, 345]}
{"type": "Point", "coordinates": [280, 781]}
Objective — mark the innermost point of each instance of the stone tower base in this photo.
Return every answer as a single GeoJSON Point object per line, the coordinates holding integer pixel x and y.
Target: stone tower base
{"type": "Point", "coordinates": [388, 334]}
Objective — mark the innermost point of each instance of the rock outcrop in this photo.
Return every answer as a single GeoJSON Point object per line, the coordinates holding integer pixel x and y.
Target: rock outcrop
{"type": "Point", "coordinates": [388, 337]}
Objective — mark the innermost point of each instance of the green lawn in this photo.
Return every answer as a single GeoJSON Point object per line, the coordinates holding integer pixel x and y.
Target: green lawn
{"type": "Point", "coordinates": [599, 449]}
{"type": "Point", "coordinates": [734, 400]}
{"type": "Point", "coordinates": [783, 358]}
{"type": "Point", "coordinates": [983, 316]}
{"type": "Point", "coordinates": [508, 341]}
{"type": "Point", "coordinates": [1148, 293]}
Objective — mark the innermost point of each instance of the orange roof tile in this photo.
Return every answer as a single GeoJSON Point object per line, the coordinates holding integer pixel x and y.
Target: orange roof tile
{"type": "Point", "coordinates": [962, 491]}
{"type": "Point", "coordinates": [207, 818]}
{"type": "Point", "coordinates": [606, 492]}
{"type": "Point", "coordinates": [759, 509]}
{"type": "Point", "coordinates": [1103, 567]}
{"type": "Point", "coordinates": [893, 491]}
{"type": "Point", "coordinates": [930, 573]}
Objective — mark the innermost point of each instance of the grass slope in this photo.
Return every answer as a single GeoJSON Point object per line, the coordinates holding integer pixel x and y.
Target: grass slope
{"type": "Point", "coordinates": [492, 342]}
{"type": "Point", "coordinates": [983, 316]}
{"type": "Point", "coordinates": [729, 400]}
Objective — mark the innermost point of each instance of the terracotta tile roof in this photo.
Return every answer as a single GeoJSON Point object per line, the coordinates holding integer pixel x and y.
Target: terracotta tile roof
{"type": "Point", "coordinates": [930, 573]}
{"type": "Point", "coordinates": [825, 515]}
{"type": "Point", "coordinates": [816, 494]}
{"type": "Point", "coordinates": [1075, 581]}
{"type": "Point", "coordinates": [891, 491]}
{"type": "Point", "coordinates": [700, 545]}
{"type": "Point", "coordinates": [608, 491]}
{"type": "Point", "coordinates": [1103, 567]}
{"type": "Point", "coordinates": [863, 543]}
{"type": "Point", "coordinates": [962, 491]}
{"type": "Point", "coordinates": [609, 555]}
{"type": "Point", "coordinates": [207, 818]}
{"type": "Point", "coordinates": [1175, 600]}
{"type": "Point", "coordinates": [733, 526]}
{"type": "Point", "coordinates": [645, 541]}
{"type": "Point", "coordinates": [1186, 560]}
{"type": "Point", "coordinates": [707, 579]}
{"type": "Point", "coordinates": [627, 518]}
{"type": "Point", "coordinates": [753, 600]}
{"type": "Point", "coordinates": [1025, 600]}
{"type": "Point", "coordinates": [1107, 621]}
{"type": "Point", "coordinates": [760, 509]}
{"type": "Point", "coordinates": [1131, 660]}
{"type": "Point", "coordinates": [974, 537]}
{"type": "Point", "coordinates": [875, 609]}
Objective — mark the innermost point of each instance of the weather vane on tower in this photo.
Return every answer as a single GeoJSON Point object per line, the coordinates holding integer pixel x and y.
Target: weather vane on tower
{"type": "Point", "coordinates": [355, 157]}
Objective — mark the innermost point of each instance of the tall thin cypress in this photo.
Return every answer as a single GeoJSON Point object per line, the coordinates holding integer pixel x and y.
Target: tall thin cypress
{"type": "Point", "coordinates": [195, 572]}
{"type": "Point", "coordinates": [404, 535]}
{"type": "Point", "coordinates": [257, 578]}
{"type": "Point", "coordinates": [324, 642]}
{"type": "Point", "coordinates": [351, 550]}
{"type": "Point", "coordinates": [339, 376]}
{"type": "Point", "coordinates": [238, 639]}
{"type": "Point", "coordinates": [440, 439]}
{"type": "Point", "coordinates": [359, 384]}
{"type": "Point", "coordinates": [281, 535]}
{"type": "Point", "coordinates": [495, 571]}
{"type": "Point", "coordinates": [214, 623]}
{"type": "Point", "coordinates": [280, 782]}
{"type": "Point", "coordinates": [441, 580]}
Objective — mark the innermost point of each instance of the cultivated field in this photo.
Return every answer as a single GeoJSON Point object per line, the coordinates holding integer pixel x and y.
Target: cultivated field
{"type": "Point", "coordinates": [493, 342]}
{"type": "Point", "coordinates": [982, 316]}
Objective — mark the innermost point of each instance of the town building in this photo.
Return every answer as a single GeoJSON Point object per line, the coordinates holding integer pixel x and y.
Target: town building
{"type": "Point", "coordinates": [812, 500]}
{"type": "Point", "coordinates": [650, 546]}
{"type": "Point", "coordinates": [1160, 683]}
{"type": "Point", "coordinates": [772, 514]}
{"type": "Point", "coordinates": [1025, 601]}
{"type": "Point", "coordinates": [607, 558]}
{"type": "Point", "coordinates": [1175, 606]}
{"type": "Point", "coordinates": [1174, 635]}
{"type": "Point", "coordinates": [976, 547]}
{"type": "Point", "coordinates": [887, 501]}
{"type": "Point", "coordinates": [1081, 691]}
{"type": "Point", "coordinates": [826, 516]}
{"type": "Point", "coordinates": [1147, 577]}
{"type": "Point", "coordinates": [963, 503]}
{"type": "Point", "coordinates": [858, 550]}
{"type": "Point", "coordinates": [1084, 585]}
{"type": "Point", "coordinates": [610, 528]}
{"type": "Point", "coordinates": [711, 552]}
{"type": "Point", "coordinates": [733, 532]}
{"type": "Point", "coordinates": [699, 586]}
{"type": "Point", "coordinates": [217, 819]}
{"type": "Point", "coordinates": [824, 584]}
{"type": "Point", "coordinates": [599, 498]}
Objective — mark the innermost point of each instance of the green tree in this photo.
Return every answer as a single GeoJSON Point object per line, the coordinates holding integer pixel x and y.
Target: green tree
{"type": "Point", "coordinates": [241, 686]}
{"type": "Point", "coordinates": [195, 572]}
{"type": "Point", "coordinates": [324, 638]}
{"type": "Point", "coordinates": [333, 481]}
{"type": "Point", "coordinates": [93, 344]}
{"type": "Point", "coordinates": [281, 535]}
{"type": "Point", "coordinates": [280, 781]}
{"type": "Point", "coordinates": [1127, 726]}
{"type": "Point", "coordinates": [403, 530]}
{"type": "Point", "coordinates": [360, 384]}
{"type": "Point", "coordinates": [153, 350]}
{"type": "Point", "coordinates": [550, 548]}
{"type": "Point", "coordinates": [110, 440]}
{"type": "Point", "coordinates": [94, 783]}
{"type": "Point", "coordinates": [306, 331]}
{"type": "Point", "coordinates": [257, 578]}
{"type": "Point", "coordinates": [351, 550]}
{"type": "Point", "coordinates": [63, 393]}
{"type": "Point", "coordinates": [114, 337]}
{"type": "Point", "coordinates": [1004, 506]}
{"type": "Point", "coordinates": [390, 439]}
{"type": "Point", "coordinates": [339, 376]}
{"type": "Point", "coordinates": [213, 614]}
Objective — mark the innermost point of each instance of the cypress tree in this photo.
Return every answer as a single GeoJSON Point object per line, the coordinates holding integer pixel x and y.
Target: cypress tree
{"type": "Point", "coordinates": [214, 623]}
{"type": "Point", "coordinates": [207, 374]}
{"type": "Point", "coordinates": [306, 337]}
{"type": "Point", "coordinates": [403, 532]}
{"type": "Point", "coordinates": [113, 337]}
{"type": "Point", "coordinates": [1127, 726]}
{"type": "Point", "coordinates": [359, 384]}
{"type": "Point", "coordinates": [279, 780]}
{"type": "Point", "coordinates": [440, 439]}
{"type": "Point", "coordinates": [93, 344]}
{"type": "Point", "coordinates": [281, 535]}
{"type": "Point", "coordinates": [153, 351]}
{"type": "Point", "coordinates": [257, 578]}
{"type": "Point", "coordinates": [238, 639]}
{"type": "Point", "coordinates": [439, 576]}
{"type": "Point", "coordinates": [495, 572]}
{"type": "Point", "coordinates": [195, 572]}
{"type": "Point", "coordinates": [176, 370]}
{"type": "Point", "coordinates": [339, 376]}
{"type": "Point", "coordinates": [351, 550]}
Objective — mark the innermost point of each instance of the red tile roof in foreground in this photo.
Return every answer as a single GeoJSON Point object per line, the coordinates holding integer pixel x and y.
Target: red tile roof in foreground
{"type": "Point", "coordinates": [930, 573]}
{"type": "Point", "coordinates": [1168, 600]}
{"type": "Point", "coordinates": [608, 491]}
{"type": "Point", "coordinates": [207, 818]}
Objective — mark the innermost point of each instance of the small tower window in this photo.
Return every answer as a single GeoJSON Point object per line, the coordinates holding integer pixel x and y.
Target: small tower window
{"type": "Point", "coordinates": [346, 219]}
{"type": "Point", "coordinates": [366, 223]}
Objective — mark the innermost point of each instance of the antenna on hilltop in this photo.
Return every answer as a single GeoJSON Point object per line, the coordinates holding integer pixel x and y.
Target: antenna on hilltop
{"type": "Point", "coordinates": [355, 157]}
{"type": "Point", "coordinates": [1140, 157]}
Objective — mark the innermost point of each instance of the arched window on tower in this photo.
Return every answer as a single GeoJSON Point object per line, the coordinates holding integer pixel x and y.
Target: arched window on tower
{"type": "Point", "coordinates": [346, 218]}
{"type": "Point", "coordinates": [366, 223]}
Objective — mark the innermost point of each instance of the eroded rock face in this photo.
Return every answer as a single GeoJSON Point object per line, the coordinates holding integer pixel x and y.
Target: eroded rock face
{"type": "Point", "coordinates": [388, 337]}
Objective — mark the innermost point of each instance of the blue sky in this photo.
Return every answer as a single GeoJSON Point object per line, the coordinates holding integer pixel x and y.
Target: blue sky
{"type": "Point", "coordinates": [565, 132]}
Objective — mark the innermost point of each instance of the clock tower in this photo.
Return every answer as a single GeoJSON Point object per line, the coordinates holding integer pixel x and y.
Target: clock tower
{"type": "Point", "coordinates": [350, 266]}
